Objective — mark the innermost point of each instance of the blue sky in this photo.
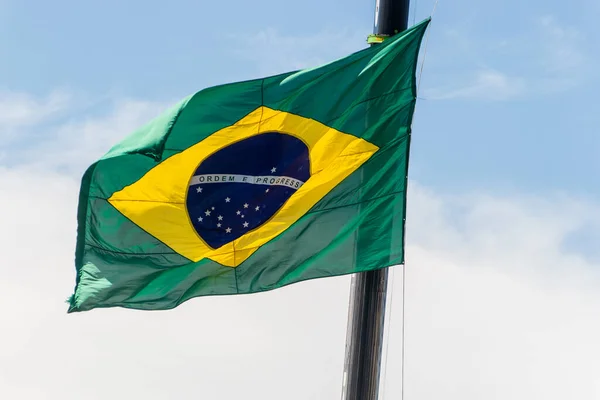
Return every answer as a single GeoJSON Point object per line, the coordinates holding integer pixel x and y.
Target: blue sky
{"type": "Point", "coordinates": [503, 262]}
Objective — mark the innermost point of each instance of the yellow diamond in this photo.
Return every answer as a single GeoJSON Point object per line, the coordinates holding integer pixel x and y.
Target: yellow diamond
{"type": "Point", "coordinates": [157, 201]}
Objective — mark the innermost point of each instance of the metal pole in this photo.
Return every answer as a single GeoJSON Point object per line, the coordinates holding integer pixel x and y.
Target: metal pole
{"type": "Point", "coordinates": [391, 16]}
{"type": "Point", "coordinates": [369, 289]}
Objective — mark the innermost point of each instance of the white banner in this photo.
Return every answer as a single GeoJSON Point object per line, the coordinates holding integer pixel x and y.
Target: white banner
{"type": "Point", "coordinates": [253, 180]}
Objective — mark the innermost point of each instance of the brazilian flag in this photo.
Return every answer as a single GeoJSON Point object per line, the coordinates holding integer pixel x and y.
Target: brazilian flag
{"type": "Point", "coordinates": [251, 186]}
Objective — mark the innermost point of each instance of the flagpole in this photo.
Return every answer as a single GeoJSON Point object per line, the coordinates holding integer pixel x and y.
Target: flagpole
{"type": "Point", "coordinates": [369, 289]}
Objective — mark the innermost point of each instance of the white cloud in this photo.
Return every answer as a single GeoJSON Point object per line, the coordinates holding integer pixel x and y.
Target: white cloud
{"type": "Point", "coordinates": [486, 85]}
{"type": "Point", "coordinates": [22, 109]}
{"type": "Point", "coordinates": [79, 139]}
{"type": "Point", "coordinates": [274, 53]}
{"type": "Point", "coordinates": [497, 306]}
{"type": "Point", "coordinates": [82, 140]}
{"type": "Point", "coordinates": [544, 58]}
{"type": "Point", "coordinates": [562, 45]}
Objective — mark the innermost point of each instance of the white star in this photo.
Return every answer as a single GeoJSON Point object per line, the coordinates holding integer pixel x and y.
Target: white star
{"type": "Point", "coordinates": [273, 170]}
{"type": "Point", "coordinates": [246, 224]}
{"type": "Point", "coordinates": [257, 208]}
{"type": "Point", "coordinates": [242, 215]}
{"type": "Point", "coordinates": [199, 189]}
{"type": "Point", "coordinates": [246, 205]}
{"type": "Point", "coordinates": [228, 230]}
{"type": "Point", "coordinates": [220, 218]}
{"type": "Point", "coordinates": [227, 200]}
{"type": "Point", "coordinates": [218, 225]}
{"type": "Point", "coordinates": [267, 191]}
{"type": "Point", "coordinates": [238, 212]}
{"type": "Point", "coordinates": [207, 213]}
{"type": "Point", "coordinates": [200, 219]}
{"type": "Point", "coordinates": [213, 208]}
